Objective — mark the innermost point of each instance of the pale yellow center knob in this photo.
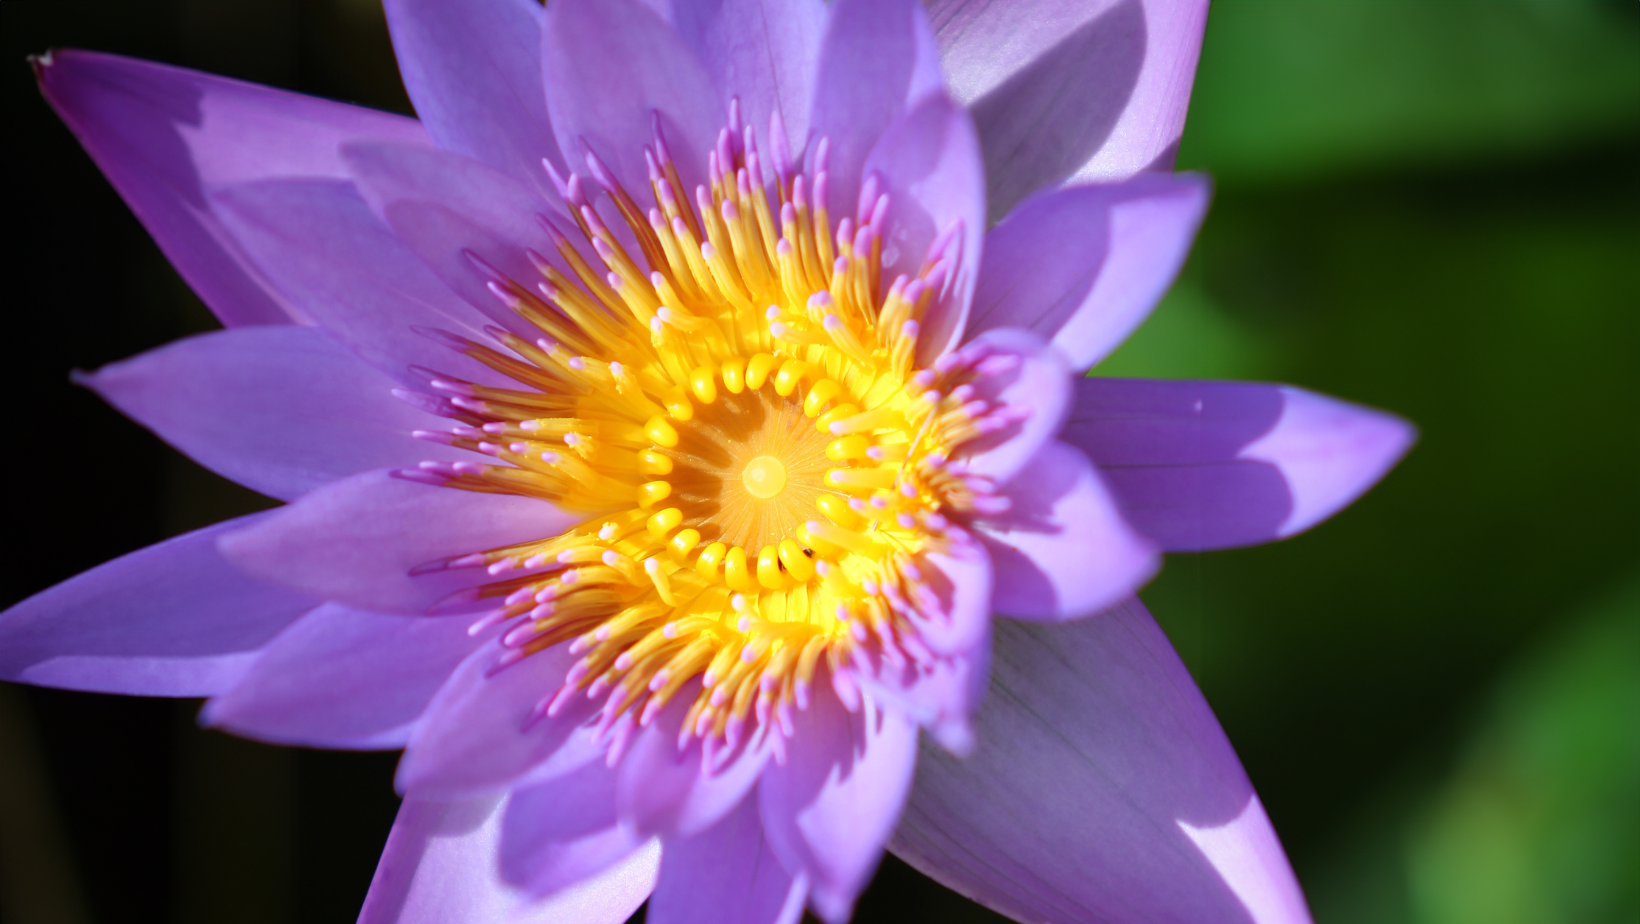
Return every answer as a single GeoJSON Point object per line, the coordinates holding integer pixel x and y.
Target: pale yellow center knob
{"type": "Point", "coordinates": [765, 476]}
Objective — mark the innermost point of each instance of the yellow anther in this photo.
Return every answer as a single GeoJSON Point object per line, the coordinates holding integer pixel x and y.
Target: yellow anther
{"type": "Point", "coordinates": [651, 462]}
{"type": "Point", "coordinates": [818, 544]}
{"type": "Point", "coordinates": [734, 374]}
{"type": "Point", "coordinates": [684, 542]}
{"type": "Point", "coordinates": [703, 384]}
{"type": "Point", "coordinates": [791, 373]}
{"type": "Point", "coordinates": [842, 449]}
{"type": "Point", "coordinates": [819, 396]}
{"type": "Point", "coordinates": [881, 418]}
{"type": "Point", "coordinates": [736, 573]}
{"type": "Point", "coordinates": [661, 432]}
{"type": "Point", "coordinates": [836, 509]}
{"type": "Point", "coordinates": [768, 569]}
{"type": "Point", "coordinates": [707, 564]}
{"type": "Point", "coordinates": [840, 412]}
{"type": "Point", "coordinates": [798, 564]}
{"type": "Point", "coordinates": [847, 538]}
{"type": "Point", "coordinates": [664, 522]}
{"type": "Point", "coordinates": [678, 406]}
{"type": "Point", "coordinates": [651, 493]}
{"type": "Point", "coordinates": [764, 477]}
{"type": "Point", "coordinates": [757, 371]}
{"type": "Point", "coordinates": [861, 478]}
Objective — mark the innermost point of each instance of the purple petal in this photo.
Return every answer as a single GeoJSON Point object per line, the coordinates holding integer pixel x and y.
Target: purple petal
{"type": "Point", "coordinates": [726, 875]}
{"type": "Point", "coordinates": [344, 678]}
{"type": "Point", "coordinates": [1096, 91]}
{"type": "Point", "coordinates": [929, 163]}
{"type": "Point", "coordinates": [662, 790]}
{"type": "Point", "coordinates": [612, 67]}
{"type": "Point", "coordinates": [356, 541]}
{"type": "Point", "coordinates": [173, 619]}
{"type": "Point", "coordinates": [473, 71]}
{"type": "Point", "coordinates": [165, 137]}
{"type": "Point", "coordinates": [1084, 266]}
{"type": "Point", "coordinates": [282, 410]}
{"type": "Point", "coordinates": [765, 52]}
{"type": "Point", "coordinates": [321, 245]}
{"type": "Point", "coordinates": [877, 60]}
{"type": "Point", "coordinates": [940, 695]}
{"type": "Point", "coordinates": [441, 864]}
{"type": "Point", "coordinates": [960, 586]}
{"type": "Point", "coordinates": [484, 729]}
{"type": "Point", "coordinates": [556, 833]}
{"type": "Point", "coordinates": [1062, 550]}
{"type": "Point", "coordinates": [1206, 465]}
{"type": "Point", "coordinates": [1102, 790]}
{"type": "Point", "coordinates": [829, 809]}
{"type": "Point", "coordinates": [1039, 386]}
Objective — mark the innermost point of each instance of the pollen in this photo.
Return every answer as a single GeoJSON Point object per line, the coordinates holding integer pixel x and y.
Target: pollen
{"type": "Point", "coordinates": [730, 399]}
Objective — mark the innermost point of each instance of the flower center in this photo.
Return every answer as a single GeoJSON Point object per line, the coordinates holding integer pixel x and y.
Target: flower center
{"type": "Point", "coordinates": [761, 466]}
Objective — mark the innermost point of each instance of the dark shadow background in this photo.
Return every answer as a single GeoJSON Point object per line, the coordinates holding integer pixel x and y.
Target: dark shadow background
{"type": "Point", "coordinates": [1430, 208]}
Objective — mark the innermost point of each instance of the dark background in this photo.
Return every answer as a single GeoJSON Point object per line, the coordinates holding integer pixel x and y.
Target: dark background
{"type": "Point", "coordinates": [1430, 208]}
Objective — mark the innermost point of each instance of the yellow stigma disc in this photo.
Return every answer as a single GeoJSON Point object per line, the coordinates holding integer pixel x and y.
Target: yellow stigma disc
{"type": "Point", "coordinates": [765, 476]}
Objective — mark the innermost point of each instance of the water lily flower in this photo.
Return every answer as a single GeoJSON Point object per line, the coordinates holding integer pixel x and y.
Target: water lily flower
{"type": "Point", "coordinates": [662, 419]}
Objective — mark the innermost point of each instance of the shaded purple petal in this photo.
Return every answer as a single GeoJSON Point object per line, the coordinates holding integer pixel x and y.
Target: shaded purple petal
{"type": "Point", "coordinates": [555, 834]}
{"type": "Point", "coordinates": [344, 678]}
{"type": "Point", "coordinates": [173, 619]}
{"type": "Point", "coordinates": [1095, 91]}
{"type": "Point", "coordinates": [473, 71]}
{"type": "Point", "coordinates": [1039, 386]}
{"type": "Point", "coordinates": [829, 809]}
{"type": "Point", "coordinates": [877, 60]}
{"type": "Point", "coordinates": [282, 410]}
{"type": "Point", "coordinates": [664, 790]}
{"type": "Point", "coordinates": [610, 68]}
{"type": "Point", "coordinates": [485, 729]}
{"type": "Point", "coordinates": [165, 137]}
{"type": "Point", "coordinates": [1205, 465]}
{"type": "Point", "coordinates": [765, 52]}
{"type": "Point", "coordinates": [1102, 790]}
{"type": "Point", "coordinates": [441, 864]}
{"type": "Point", "coordinates": [726, 875]}
{"type": "Point", "coordinates": [321, 245]}
{"type": "Point", "coordinates": [1062, 550]}
{"type": "Point", "coordinates": [940, 694]}
{"type": "Point", "coordinates": [929, 163]}
{"type": "Point", "coordinates": [356, 541]}
{"type": "Point", "coordinates": [1083, 266]}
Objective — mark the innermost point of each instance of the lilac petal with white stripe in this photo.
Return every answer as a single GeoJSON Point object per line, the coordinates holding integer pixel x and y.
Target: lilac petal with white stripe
{"type": "Point", "coordinates": [1205, 465]}
{"type": "Point", "coordinates": [1062, 550]}
{"type": "Point", "coordinates": [1131, 62]}
{"type": "Point", "coordinates": [281, 410]}
{"type": "Point", "coordinates": [327, 251]}
{"type": "Point", "coordinates": [165, 137]}
{"type": "Point", "coordinates": [174, 619]}
{"type": "Point", "coordinates": [358, 541]}
{"type": "Point", "coordinates": [1085, 265]}
{"type": "Point", "coordinates": [726, 875]}
{"type": "Point", "coordinates": [1102, 790]}
{"type": "Point", "coordinates": [473, 70]}
{"type": "Point", "coordinates": [344, 678]}
{"type": "Point", "coordinates": [442, 864]}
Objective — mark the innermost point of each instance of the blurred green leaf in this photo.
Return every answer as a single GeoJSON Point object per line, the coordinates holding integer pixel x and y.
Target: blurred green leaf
{"type": "Point", "coordinates": [1191, 336]}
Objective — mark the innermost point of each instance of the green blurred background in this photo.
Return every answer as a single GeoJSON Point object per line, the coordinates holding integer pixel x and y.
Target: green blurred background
{"type": "Point", "coordinates": [1430, 207]}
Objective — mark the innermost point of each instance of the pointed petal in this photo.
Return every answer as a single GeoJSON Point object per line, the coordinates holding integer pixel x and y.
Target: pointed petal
{"type": "Point", "coordinates": [929, 163]}
{"type": "Point", "coordinates": [481, 731]}
{"type": "Point", "coordinates": [726, 875]}
{"type": "Point", "coordinates": [941, 695]}
{"type": "Point", "coordinates": [326, 251]}
{"type": "Point", "coordinates": [173, 619]}
{"type": "Point", "coordinates": [877, 60]}
{"type": "Point", "coordinates": [282, 410]}
{"type": "Point", "coordinates": [610, 67]}
{"type": "Point", "coordinates": [344, 678]}
{"type": "Point", "coordinates": [1039, 385]}
{"type": "Point", "coordinates": [1062, 550]}
{"type": "Point", "coordinates": [1085, 265]}
{"type": "Point", "coordinates": [165, 137]}
{"type": "Point", "coordinates": [473, 71]}
{"type": "Point", "coordinates": [1096, 91]}
{"type": "Point", "coordinates": [555, 834]}
{"type": "Point", "coordinates": [1206, 465]}
{"type": "Point", "coordinates": [441, 864]}
{"type": "Point", "coordinates": [766, 52]}
{"type": "Point", "coordinates": [662, 790]}
{"type": "Point", "coordinates": [1098, 770]}
{"type": "Point", "coordinates": [356, 541]}
{"type": "Point", "coordinates": [828, 810]}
